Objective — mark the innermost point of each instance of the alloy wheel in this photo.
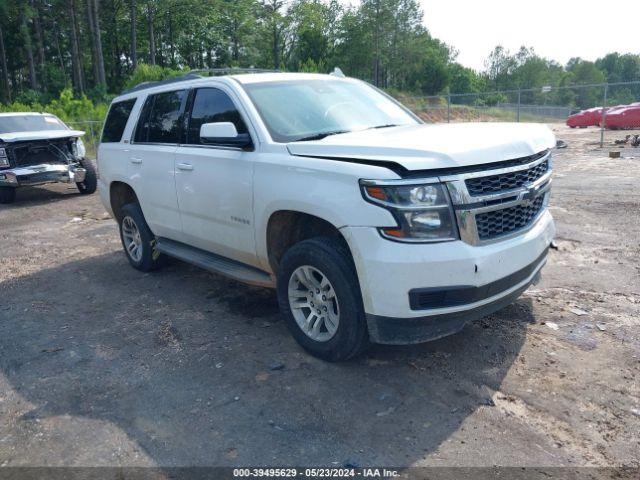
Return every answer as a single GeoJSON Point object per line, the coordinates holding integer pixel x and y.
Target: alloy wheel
{"type": "Point", "coordinates": [132, 240]}
{"type": "Point", "coordinates": [314, 303]}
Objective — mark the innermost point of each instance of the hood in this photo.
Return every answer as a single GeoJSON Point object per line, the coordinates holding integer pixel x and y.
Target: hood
{"type": "Point", "coordinates": [423, 147]}
{"type": "Point", "coordinates": [39, 135]}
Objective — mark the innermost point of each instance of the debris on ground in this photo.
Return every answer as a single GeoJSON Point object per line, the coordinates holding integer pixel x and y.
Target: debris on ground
{"type": "Point", "coordinates": [561, 144]}
{"type": "Point", "coordinates": [552, 325]}
{"type": "Point", "coordinates": [613, 154]}
{"type": "Point", "coordinates": [52, 350]}
{"type": "Point", "coordinates": [168, 335]}
{"type": "Point", "coordinates": [578, 311]}
{"type": "Point", "coordinates": [633, 140]}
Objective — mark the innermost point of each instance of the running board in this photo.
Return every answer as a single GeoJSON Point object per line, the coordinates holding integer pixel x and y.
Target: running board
{"type": "Point", "coordinates": [215, 263]}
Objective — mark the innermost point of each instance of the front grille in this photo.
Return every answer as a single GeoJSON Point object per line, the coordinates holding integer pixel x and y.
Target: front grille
{"type": "Point", "coordinates": [502, 222]}
{"type": "Point", "coordinates": [506, 181]}
{"type": "Point", "coordinates": [26, 154]}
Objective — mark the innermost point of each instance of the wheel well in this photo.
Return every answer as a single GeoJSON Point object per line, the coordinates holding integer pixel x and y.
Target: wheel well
{"type": "Point", "coordinates": [286, 228]}
{"type": "Point", "coordinates": [120, 194]}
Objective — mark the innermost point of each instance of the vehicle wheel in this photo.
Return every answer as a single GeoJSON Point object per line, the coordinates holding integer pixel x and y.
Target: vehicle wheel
{"type": "Point", "coordinates": [138, 241]}
{"type": "Point", "coordinates": [319, 295]}
{"type": "Point", "coordinates": [572, 126]}
{"type": "Point", "coordinates": [90, 183]}
{"type": "Point", "coordinates": [7, 194]}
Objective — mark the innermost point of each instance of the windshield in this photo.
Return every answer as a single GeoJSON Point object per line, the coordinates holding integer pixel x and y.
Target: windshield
{"type": "Point", "coordinates": [30, 123]}
{"type": "Point", "coordinates": [312, 109]}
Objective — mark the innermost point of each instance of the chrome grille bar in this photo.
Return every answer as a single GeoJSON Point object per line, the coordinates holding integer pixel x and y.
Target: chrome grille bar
{"type": "Point", "coordinates": [467, 206]}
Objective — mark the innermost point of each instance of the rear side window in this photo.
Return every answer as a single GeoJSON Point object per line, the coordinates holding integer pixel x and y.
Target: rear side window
{"type": "Point", "coordinates": [212, 105]}
{"type": "Point", "coordinates": [117, 120]}
{"type": "Point", "coordinates": [161, 118]}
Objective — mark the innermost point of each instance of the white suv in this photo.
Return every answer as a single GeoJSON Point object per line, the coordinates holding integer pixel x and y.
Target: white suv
{"type": "Point", "coordinates": [373, 226]}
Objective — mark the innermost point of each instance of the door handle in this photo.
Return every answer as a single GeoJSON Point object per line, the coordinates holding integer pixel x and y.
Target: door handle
{"type": "Point", "coordinates": [185, 166]}
{"type": "Point", "coordinates": [136, 160]}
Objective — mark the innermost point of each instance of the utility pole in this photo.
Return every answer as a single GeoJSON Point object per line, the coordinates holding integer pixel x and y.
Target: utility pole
{"type": "Point", "coordinates": [604, 114]}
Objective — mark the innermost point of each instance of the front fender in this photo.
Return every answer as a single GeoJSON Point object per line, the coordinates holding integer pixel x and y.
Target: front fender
{"type": "Point", "coordinates": [323, 188]}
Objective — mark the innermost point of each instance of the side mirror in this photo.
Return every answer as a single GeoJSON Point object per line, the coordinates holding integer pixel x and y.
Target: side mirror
{"type": "Point", "coordinates": [223, 133]}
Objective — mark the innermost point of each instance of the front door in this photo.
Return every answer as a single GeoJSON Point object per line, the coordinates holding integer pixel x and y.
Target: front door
{"type": "Point", "coordinates": [214, 183]}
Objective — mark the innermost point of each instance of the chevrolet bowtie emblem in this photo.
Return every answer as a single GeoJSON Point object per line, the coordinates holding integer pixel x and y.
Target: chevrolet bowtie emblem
{"type": "Point", "coordinates": [528, 196]}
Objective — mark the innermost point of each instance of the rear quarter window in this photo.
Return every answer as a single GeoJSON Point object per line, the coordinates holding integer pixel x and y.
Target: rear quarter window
{"type": "Point", "coordinates": [116, 121]}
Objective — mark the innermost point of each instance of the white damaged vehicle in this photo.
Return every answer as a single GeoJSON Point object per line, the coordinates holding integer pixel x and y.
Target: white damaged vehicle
{"type": "Point", "coordinates": [38, 148]}
{"type": "Point", "coordinates": [373, 227]}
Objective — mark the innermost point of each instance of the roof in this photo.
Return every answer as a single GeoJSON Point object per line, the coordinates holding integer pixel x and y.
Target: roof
{"type": "Point", "coordinates": [22, 114]}
{"type": "Point", "coordinates": [280, 77]}
{"type": "Point", "coordinates": [243, 76]}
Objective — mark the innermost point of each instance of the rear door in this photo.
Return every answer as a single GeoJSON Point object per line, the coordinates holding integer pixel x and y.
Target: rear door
{"type": "Point", "coordinates": [215, 183]}
{"type": "Point", "coordinates": [159, 130]}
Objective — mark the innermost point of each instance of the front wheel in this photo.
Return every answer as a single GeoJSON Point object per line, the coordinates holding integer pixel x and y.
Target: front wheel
{"type": "Point", "coordinates": [90, 182]}
{"type": "Point", "coordinates": [319, 295]}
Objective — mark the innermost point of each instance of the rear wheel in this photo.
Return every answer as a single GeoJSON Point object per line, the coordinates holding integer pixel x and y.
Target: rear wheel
{"type": "Point", "coordinates": [138, 241]}
{"type": "Point", "coordinates": [7, 194]}
{"type": "Point", "coordinates": [319, 295]}
{"type": "Point", "coordinates": [90, 183]}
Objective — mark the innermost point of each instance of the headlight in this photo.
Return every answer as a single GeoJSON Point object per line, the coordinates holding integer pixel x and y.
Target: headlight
{"type": "Point", "coordinates": [4, 160]}
{"type": "Point", "coordinates": [79, 151]}
{"type": "Point", "coordinates": [423, 211]}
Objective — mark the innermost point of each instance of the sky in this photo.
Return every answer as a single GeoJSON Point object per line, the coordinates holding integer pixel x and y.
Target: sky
{"type": "Point", "coordinates": [556, 29]}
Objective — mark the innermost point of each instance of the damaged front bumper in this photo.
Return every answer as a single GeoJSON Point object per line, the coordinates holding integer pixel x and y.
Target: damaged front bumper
{"type": "Point", "coordinates": [41, 174]}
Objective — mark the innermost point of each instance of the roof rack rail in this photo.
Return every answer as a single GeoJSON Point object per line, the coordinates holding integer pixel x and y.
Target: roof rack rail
{"type": "Point", "coordinates": [151, 84]}
{"type": "Point", "coordinates": [231, 71]}
{"type": "Point", "coordinates": [195, 74]}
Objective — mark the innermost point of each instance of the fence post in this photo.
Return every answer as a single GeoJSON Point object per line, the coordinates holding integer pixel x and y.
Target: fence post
{"type": "Point", "coordinates": [448, 108]}
{"type": "Point", "coordinates": [518, 115]}
{"type": "Point", "coordinates": [604, 114]}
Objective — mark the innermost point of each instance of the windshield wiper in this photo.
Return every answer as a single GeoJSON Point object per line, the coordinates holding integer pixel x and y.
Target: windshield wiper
{"type": "Point", "coordinates": [320, 136]}
{"type": "Point", "coordinates": [384, 126]}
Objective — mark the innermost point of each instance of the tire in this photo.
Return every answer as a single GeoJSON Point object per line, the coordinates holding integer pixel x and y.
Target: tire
{"type": "Point", "coordinates": [90, 183]}
{"type": "Point", "coordinates": [329, 258]}
{"type": "Point", "coordinates": [144, 256]}
{"type": "Point", "coordinates": [7, 194]}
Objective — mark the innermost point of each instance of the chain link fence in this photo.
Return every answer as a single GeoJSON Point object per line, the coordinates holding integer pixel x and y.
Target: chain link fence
{"type": "Point", "coordinates": [605, 107]}
{"type": "Point", "coordinates": [611, 110]}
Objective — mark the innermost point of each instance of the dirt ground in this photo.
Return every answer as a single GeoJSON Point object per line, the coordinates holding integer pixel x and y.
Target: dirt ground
{"type": "Point", "coordinates": [103, 365]}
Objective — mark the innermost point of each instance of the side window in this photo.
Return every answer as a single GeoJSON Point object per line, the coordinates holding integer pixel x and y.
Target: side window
{"type": "Point", "coordinates": [116, 121]}
{"type": "Point", "coordinates": [142, 127]}
{"type": "Point", "coordinates": [212, 105]}
{"type": "Point", "coordinates": [160, 119]}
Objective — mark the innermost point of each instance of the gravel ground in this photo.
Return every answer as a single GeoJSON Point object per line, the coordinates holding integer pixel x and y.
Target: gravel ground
{"type": "Point", "coordinates": [103, 365]}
